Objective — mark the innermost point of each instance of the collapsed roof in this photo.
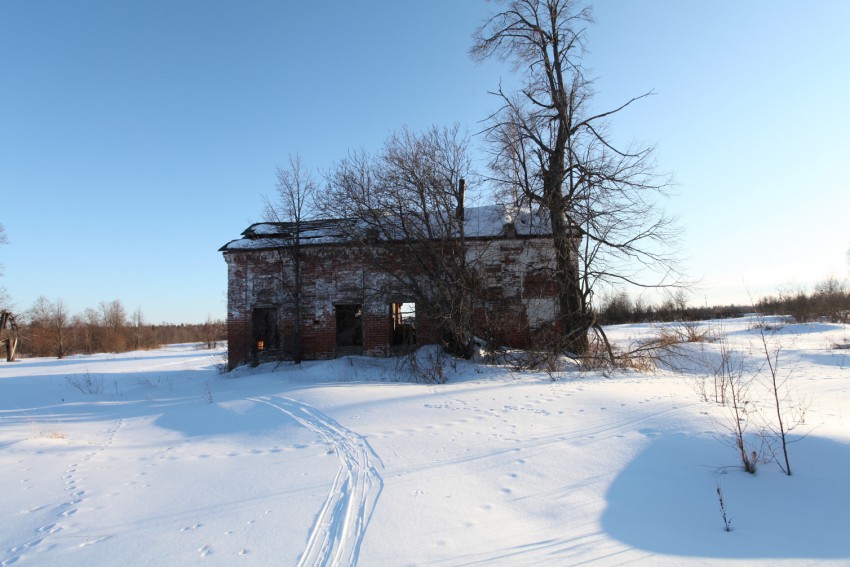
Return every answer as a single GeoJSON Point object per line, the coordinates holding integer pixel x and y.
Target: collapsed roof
{"type": "Point", "coordinates": [487, 222]}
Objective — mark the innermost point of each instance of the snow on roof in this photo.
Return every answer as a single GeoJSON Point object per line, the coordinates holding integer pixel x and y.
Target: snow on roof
{"type": "Point", "coordinates": [264, 235]}
{"type": "Point", "coordinates": [479, 222]}
{"type": "Point", "coordinates": [490, 220]}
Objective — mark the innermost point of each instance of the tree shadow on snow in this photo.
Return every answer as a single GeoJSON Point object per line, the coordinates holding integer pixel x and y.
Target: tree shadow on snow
{"type": "Point", "coordinates": [194, 402]}
{"type": "Point", "coordinates": [778, 326]}
{"type": "Point", "coordinates": [103, 358]}
{"type": "Point", "coordinates": [237, 417]}
{"type": "Point", "coordinates": [665, 501]}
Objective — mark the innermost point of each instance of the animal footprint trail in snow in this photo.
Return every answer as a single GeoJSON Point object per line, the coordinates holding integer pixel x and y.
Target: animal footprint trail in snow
{"type": "Point", "coordinates": [338, 532]}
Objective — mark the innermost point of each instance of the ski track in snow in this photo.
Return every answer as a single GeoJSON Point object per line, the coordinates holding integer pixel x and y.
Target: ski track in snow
{"type": "Point", "coordinates": [340, 526]}
{"type": "Point", "coordinates": [64, 510]}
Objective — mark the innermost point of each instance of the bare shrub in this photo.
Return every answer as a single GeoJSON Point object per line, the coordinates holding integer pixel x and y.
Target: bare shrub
{"type": "Point", "coordinates": [86, 383]}
{"type": "Point", "coordinates": [45, 427]}
{"type": "Point", "coordinates": [685, 332]}
{"type": "Point", "coordinates": [787, 412]}
{"type": "Point", "coordinates": [546, 352]}
{"type": "Point", "coordinates": [727, 522]}
{"type": "Point", "coordinates": [208, 396]}
{"type": "Point", "coordinates": [734, 387]}
{"type": "Point", "coordinates": [425, 366]}
{"type": "Point", "coordinates": [671, 348]}
{"type": "Point", "coordinates": [731, 385]}
{"type": "Point", "coordinates": [514, 359]}
{"type": "Point", "coordinates": [221, 365]}
{"type": "Point", "coordinates": [599, 354]}
{"type": "Point", "coordinates": [761, 324]}
{"type": "Point", "coordinates": [640, 361]}
{"type": "Point", "coordinates": [603, 356]}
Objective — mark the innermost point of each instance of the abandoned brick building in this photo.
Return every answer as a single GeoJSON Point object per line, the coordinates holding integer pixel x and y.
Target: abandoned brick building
{"type": "Point", "coordinates": [349, 307]}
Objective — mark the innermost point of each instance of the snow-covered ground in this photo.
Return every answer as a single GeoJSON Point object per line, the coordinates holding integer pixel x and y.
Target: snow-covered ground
{"type": "Point", "coordinates": [153, 458]}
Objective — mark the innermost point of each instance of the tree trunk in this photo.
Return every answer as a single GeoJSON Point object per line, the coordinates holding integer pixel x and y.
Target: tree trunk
{"type": "Point", "coordinates": [571, 309]}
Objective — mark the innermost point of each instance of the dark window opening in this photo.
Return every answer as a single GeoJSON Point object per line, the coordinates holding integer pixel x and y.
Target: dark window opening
{"type": "Point", "coordinates": [403, 324]}
{"type": "Point", "coordinates": [349, 326]}
{"type": "Point", "coordinates": [264, 329]}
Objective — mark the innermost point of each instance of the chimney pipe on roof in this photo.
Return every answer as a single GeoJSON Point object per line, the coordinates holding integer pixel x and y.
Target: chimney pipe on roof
{"type": "Point", "coordinates": [461, 193]}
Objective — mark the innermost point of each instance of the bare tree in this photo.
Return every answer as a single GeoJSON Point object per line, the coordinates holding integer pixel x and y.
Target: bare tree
{"type": "Point", "coordinates": [5, 300]}
{"type": "Point", "coordinates": [409, 202]}
{"type": "Point", "coordinates": [114, 318]}
{"type": "Point", "coordinates": [294, 202]}
{"type": "Point", "coordinates": [617, 309]}
{"type": "Point", "coordinates": [38, 327]}
{"type": "Point", "coordinates": [50, 325]}
{"type": "Point", "coordinates": [550, 149]}
{"type": "Point", "coordinates": [9, 336]}
{"type": "Point", "coordinates": [60, 322]}
{"type": "Point", "coordinates": [49, 329]}
{"type": "Point", "coordinates": [138, 323]}
{"type": "Point", "coordinates": [210, 332]}
{"type": "Point", "coordinates": [831, 300]}
{"type": "Point", "coordinates": [90, 330]}
{"type": "Point", "coordinates": [3, 240]}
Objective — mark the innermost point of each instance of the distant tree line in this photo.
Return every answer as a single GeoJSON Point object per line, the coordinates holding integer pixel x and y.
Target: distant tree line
{"type": "Point", "coordinates": [48, 328]}
{"type": "Point", "coordinates": [829, 300]}
{"type": "Point", "coordinates": [621, 308]}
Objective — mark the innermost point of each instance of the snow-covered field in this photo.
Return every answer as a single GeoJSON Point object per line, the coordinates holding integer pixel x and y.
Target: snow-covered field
{"type": "Point", "coordinates": [153, 458]}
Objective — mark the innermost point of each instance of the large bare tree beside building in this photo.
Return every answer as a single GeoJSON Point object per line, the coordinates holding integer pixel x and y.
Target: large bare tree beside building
{"type": "Point", "coordinates": [552, 149]}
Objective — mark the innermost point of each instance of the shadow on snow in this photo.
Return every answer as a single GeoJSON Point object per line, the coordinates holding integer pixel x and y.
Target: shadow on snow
{"type": "Point", "coordinates": [665, 501]}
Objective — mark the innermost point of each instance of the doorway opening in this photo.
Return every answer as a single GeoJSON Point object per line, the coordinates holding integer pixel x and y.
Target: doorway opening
{"type": "Point", "coordinates": [349, 326]}
{"type": "Point", "coordinates": [264, 329]}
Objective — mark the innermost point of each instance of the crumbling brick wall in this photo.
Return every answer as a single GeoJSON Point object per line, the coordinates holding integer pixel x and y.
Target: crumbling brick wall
{"type": "Point", "coordinates": [517, 299]}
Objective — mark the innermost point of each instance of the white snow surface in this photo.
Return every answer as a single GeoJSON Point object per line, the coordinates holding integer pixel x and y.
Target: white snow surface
{"type": "Point", "coordinates": [347, 462]}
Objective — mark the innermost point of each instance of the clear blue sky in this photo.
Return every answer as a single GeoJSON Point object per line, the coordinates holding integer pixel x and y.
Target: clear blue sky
{"type": "Point", "coordinates": [138, 137]}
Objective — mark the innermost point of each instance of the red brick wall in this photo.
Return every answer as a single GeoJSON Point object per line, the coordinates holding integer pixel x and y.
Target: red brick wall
{"type": "Point", "coordinates": [238, 342]}
{"type": "Point", "coordinates": [334, 275]}
{"type": "Point", "coordinates": [376, 332]}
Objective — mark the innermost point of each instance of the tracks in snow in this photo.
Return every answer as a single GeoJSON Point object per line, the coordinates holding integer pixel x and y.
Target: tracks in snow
{"type": "Point", "coordinates": [63, 511]}
{"type": "Point", "coordinates": [336, 535]}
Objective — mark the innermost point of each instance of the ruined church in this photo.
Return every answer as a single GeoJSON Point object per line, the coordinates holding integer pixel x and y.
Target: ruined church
{"type": "Point", "coordinates": [347, 306]}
